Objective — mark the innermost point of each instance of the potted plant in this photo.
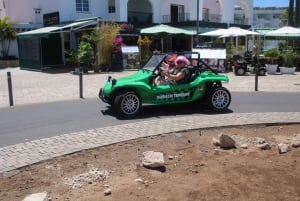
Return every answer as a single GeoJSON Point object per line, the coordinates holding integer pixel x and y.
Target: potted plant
{"type": "Point", "coordinates": [288, 58]}
{"type": "Point", "coordinates": [82, 57]}
{"type": "Point", "coordinates": [271, 55]}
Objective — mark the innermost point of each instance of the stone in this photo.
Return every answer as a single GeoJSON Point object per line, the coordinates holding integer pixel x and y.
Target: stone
{"type": "Point", "coordinates": [283, 148]}
{"type": "Point", "coordinates": [216, 142]}
{"type": "Point", "coordinates": [226, 141]}
{"type": "Point", "coordinates": [171, 157]}
{"type": "Point", "coordinates": [153, 159]}
{"type": "Point", "coordinates": [296, 141]}
{"type": "Point", "coordinates": [43, 196]}
{"type": "Point", "coordinates": [107, 192]}
{"type": "Point", "coordinates": [264, 146]}
{"type": "Point", "coordinates": [244, 146]}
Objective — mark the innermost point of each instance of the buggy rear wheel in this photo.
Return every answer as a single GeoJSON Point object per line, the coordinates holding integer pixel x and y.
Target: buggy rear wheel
{"type": "Point", "coordinates": [219, 99]}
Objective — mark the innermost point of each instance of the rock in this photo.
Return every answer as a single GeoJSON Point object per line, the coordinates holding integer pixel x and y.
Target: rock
{"type": "Point", "coordinates": [43, 196]}
{"type": "Point", "coordinates": [283, 148]}
{"type": "Point", "coordinates": [264, 146]}
{"type": "Point", "coordinates": [171, 157]}
{"type": "Point", "coordinates": [139, 180]}
{"type": "Point", "coordinates": [296, 141]}
{"type": "Point", "coordinates": [153, 159]}
{"type": "Point", "coordinates": [107, 192]}
{"type": "Point", "coordinates": [226, 141]}
{"type": "Point", "coordinates": [216, 142]}
{"type": "Point", "coordinates": [244, 146]}
{"type": "Point", "coordinates": [260, 140]}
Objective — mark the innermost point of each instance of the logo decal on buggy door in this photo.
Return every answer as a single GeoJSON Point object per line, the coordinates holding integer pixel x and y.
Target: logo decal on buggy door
{"type": "Point", "coordinates": [171, 96]}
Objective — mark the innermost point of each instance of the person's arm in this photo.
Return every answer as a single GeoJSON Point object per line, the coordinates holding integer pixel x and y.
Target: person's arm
{"type": "Point", "coordinates": [175, 77]}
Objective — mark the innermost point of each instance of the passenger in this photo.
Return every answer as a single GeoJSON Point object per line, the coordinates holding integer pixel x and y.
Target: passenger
{"type": "Point", "coordinates": [170, 62]}
{"type": "Point", "coordinates": [166, 65]}
{"type": "Point", "coordinates": [177, 75]}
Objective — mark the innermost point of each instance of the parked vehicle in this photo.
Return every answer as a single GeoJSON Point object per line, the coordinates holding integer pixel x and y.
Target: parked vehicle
{"type": "Point", "coordinates": [127, 95]}
{"type": "Point", "coordinates": [242, 65]}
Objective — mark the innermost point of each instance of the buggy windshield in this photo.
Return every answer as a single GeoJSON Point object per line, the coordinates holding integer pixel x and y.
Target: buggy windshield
{"type": "Point", "coordinates": [154, 61]}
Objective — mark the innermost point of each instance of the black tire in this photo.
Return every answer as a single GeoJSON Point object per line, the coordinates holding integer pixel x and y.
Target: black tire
{"type": "Point", "coordinates": [262, 72]}
{"type": "Point", "coordinates": [127, 104]}
{"type": "Point", "coordinates": [219, 99]}
{"type": "Point", "coordinates": [240, 71]}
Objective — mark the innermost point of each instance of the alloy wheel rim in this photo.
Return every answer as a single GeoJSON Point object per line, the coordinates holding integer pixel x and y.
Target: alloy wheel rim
{"type": "Point", "coordinates": [220, 99]}
{"type": "Point", "coordinates": [130, 104]}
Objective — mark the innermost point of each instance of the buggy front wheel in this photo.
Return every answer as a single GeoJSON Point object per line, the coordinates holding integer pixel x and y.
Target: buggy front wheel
{"type": "Point", "coordinates": [219, 99]}
{"type": "Point", "coordinates": [127, 104]}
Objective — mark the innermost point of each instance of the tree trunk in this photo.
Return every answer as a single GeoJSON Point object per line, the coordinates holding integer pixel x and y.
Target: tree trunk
{"type": "Point", "coordinates": [291, 13]}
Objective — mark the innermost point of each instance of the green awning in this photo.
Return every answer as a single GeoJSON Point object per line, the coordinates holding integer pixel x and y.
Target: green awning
{"type": "Point", "coordinates": [45, 31]}
{"type": "Point", "coordinates": [263, 31]}
{"type": "Point", "coordinates": [201, 29]}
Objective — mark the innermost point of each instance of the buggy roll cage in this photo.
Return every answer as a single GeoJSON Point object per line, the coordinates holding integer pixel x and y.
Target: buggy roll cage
{"type": "Point", "coordinates": [192, 56]}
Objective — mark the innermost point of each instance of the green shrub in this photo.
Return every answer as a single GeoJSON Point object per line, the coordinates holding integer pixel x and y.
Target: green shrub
{"type": "Point", "coordinates": [288, 58]}
{"type": "Point", "coordinates": [272, 54]}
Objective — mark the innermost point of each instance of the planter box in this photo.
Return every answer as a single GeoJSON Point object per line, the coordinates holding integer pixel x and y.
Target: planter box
{"type": "Point", "coordinates": [287, 70]}
{"type": "Point", "coordinates": [9, 63]}
{"type": "Point", "coordinates": [271, 68]}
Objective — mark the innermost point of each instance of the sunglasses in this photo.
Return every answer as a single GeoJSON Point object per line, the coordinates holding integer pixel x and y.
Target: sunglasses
{"type": "Point", "coordinates": [180, 62]}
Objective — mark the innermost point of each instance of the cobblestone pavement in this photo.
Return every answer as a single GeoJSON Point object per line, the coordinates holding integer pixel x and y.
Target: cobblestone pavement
{"type": "Point", "coordinates": [36, 87]}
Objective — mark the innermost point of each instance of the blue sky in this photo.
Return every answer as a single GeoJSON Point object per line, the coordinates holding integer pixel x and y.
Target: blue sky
{"type": "Point", "coordinates": [270, 3]}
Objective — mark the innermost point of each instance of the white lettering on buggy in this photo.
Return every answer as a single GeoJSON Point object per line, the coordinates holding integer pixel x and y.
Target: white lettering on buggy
{"type": "Point", "coordinates": [168, 96]}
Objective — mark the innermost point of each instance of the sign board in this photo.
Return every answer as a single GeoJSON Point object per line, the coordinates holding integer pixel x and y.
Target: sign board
{"type": "Point", "coordinates": [130, 49]}
{"type": "Point", "coordinates": [211, 53]}
{"type": "Point", "coordinates": [51, 19]}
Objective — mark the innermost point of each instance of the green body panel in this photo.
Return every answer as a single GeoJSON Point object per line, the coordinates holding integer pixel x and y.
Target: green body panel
{"type": "Point", "coordinates": [141, 83]}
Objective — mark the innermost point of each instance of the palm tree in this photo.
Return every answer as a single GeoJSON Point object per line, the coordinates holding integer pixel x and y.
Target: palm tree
{"type": "Point", "coordinates": [7, 34]}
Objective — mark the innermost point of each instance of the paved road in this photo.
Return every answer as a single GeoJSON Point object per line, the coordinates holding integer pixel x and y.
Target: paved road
{"type": "Point", "coordinates": [36, 87]}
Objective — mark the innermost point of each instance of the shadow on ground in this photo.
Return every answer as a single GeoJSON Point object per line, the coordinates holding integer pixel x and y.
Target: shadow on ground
{"type": "Point", "coordinates": [158, 111]}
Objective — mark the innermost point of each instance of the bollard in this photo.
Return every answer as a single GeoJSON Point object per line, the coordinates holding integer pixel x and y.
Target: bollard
{"type": "Point", "coordinates": [256, 77]}
{"type": "Point", "coordinates": [10, 92]}
{"type": "Point", "coordinates": [80, 84]}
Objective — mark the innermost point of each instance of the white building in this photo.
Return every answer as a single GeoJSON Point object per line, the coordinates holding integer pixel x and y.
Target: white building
{"type": "Point", "coordinates": [31, 14]}
{"type": "Point", "coordinates": [263, 18]}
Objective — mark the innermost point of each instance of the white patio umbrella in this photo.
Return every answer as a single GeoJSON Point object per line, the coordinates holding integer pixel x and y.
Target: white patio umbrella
{"type": "Point", "coordinates": [286, 31]}
{"type": "Point", "coordinates": [162, 28]}
{"type": "Point", "coordinates": [230, 32]}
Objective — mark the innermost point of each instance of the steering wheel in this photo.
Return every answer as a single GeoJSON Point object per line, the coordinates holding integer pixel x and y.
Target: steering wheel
{"type": "Point", "coordinates": [158, 71]}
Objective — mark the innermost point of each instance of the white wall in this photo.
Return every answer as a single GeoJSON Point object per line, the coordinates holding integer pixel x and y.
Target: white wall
{"type": "Point", "coordinates": [24, 12]}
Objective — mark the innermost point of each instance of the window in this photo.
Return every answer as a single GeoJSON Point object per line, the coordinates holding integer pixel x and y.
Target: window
{"type": "Point", "coordinates": [177, 13]}
{"type": "Point", "coordinates": [82, 6]}
{"type": "Point", "coordinates": [111, 6]}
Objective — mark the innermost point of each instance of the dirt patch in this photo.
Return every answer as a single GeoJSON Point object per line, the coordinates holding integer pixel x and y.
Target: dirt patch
{"type": "Point", "coordinates": [195, 169]}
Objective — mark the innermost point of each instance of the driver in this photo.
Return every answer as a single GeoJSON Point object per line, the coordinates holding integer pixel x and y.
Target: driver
{"type": "Point", "coordinates": [177, 75]}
